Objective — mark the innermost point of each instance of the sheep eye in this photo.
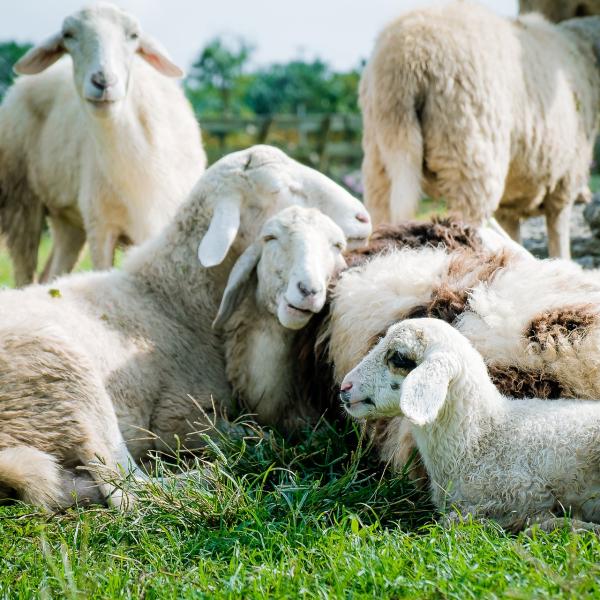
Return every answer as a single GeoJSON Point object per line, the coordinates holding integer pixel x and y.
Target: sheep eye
{"type": "Point", "coordinates": [134, 36]}
{"type": "Point", "coordinates": [339, 246]}
{"type": "Point", "coordinates": [68, 35]}
{"type": "Point", "coordinates": [269, 238]}
{"type": "Point", "coordinates": [398, 361]}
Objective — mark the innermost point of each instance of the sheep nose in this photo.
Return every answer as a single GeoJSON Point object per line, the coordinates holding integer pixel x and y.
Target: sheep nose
{"type": "Point", "coordinates": [306, 291]}
{"type": "Point", "coordinates": [362, 217]}
{"type": "Point", "coordinates": [102, 80]}
{"type": "Point", "coordinates": [345, 396]}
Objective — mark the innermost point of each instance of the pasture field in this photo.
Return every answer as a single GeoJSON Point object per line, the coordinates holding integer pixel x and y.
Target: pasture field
{"type": "Point", "coordinates": [319, 518]}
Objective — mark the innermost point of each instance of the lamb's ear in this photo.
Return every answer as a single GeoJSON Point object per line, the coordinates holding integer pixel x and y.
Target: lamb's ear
{"type": "Point", "coordinates": [237, 282]}
{"type": "Point", "coordinates": [221, 232]}
{"type": "Point", "coordinates": [40, 57]}
{"type": "Point", "coordinates": [424, 390]}
{"type": "Point", "coordinates": [153, 53]}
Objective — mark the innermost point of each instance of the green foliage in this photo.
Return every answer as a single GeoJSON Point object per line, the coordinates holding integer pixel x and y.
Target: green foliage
{"type": "Point", "coordinates": [302, 87]}
{"type": "Point", "coordinates": [215, 82]}
{"type": "Point", "coordinates": [10, 52]}
{"type": "Point", "coordinates": [222, 83]}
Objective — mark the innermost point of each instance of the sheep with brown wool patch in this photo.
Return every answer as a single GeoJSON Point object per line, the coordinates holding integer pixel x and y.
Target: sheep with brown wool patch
{"type": "Point", "coordinates": [535, 322]}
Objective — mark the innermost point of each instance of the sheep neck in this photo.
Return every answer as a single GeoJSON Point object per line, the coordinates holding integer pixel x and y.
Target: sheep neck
{"type": "Point", "coordinates": [470, 412]}
{"type": "Point", "coordinates": [259, 358]}
{"type": "Point", "coordinates": [125, 131]}
{"type": "Point", "coordinates": [167, 267]}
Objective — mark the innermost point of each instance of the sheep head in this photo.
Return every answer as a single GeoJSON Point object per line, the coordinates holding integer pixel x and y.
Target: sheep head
{"type": "Point", "coordinates": [102, 41]}
{"type": "Point", "coordinates": [247, 187]}
{"type": "Point", "coordinates": [410, 371]}
{"type": "Point", "coordinates": [298, 252]}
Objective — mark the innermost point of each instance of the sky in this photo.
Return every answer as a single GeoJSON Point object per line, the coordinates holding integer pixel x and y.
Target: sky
{"type": "Point", "coordinates": [338, 31]}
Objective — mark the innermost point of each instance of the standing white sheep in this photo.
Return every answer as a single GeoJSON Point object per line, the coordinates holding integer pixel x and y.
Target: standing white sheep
{"type": "Point", "coordinates": [104, 142]}
{"type": "Point", "coordinates": [488, 113]}
{"type": "Point", "coordinates": [514, 461]}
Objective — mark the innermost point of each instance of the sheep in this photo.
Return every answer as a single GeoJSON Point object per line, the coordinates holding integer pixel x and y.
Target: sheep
{"type": "Point", "coordinates": [559, 10]}
{"type": "Point", "coordinates": [536, 323]}
{"type": "Point", "coordinates": [496, 116]}
{"type": "Point", "coordinates": [274, 289]}
{"type": "Point", "coordinates": [91, 364]}
{"type": "Point", "coordinates": [514, 461]}
{"type": "Point", "coordinates": [103, 141]}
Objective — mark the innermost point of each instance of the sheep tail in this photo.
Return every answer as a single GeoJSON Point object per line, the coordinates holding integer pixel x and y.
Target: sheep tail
{"type": "Point", "coordinates": [401, 138]}
{"type": "Point", "coordinates": [34, 475]}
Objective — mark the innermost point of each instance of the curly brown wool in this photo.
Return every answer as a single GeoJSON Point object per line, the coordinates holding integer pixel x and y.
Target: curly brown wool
{"type": "Point", "coordinates": [447, 231]}
{"type": "Point", "coordinates": [563, 325]}
{"type": "Point", "coordinates": [521, 383]}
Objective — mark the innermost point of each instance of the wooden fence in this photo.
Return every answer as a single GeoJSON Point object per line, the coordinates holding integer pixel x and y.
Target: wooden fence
{"type": "Point", "coordinates": [329, 142]}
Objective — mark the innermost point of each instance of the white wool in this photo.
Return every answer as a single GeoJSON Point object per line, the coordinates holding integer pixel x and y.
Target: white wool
{"type": "Point", "coordinates": [490, 113]}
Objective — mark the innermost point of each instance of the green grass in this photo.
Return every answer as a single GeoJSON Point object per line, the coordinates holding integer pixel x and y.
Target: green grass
{"type": "Point", "coordinates": [320, 518]}
{"type": "Point", "coordinates": [315, 519]}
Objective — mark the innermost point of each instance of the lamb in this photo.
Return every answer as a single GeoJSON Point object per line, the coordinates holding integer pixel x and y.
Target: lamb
{"type": "Point", "coordinates": [559, 10]}
{"type": "Point", "coordinates": [496, 116]}
{"type": "Point", "coordinates": [103, 141]}
{"type": "Point", "coordinates": [515, 461]}
{"type": "Point", "coordinates": [277, 285]}
{"type": "Point", "coordinates": [92, 364]}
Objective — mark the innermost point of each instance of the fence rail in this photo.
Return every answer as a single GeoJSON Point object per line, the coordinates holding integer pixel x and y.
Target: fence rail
{"type": "Point", "coordinates": [329, 142]}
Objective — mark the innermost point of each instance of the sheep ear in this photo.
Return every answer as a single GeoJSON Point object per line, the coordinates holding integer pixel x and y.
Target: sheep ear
{"type": "Point", "coordinates": [153, 53]}
{"type": "Point", "coordinates": [424, 391]}
{"type": "Point", "coordinates": [221, 232]}
{"type": "Point", "coordinates": [40, 57]}
{"type": "Point", "coordinates": [236, 284]}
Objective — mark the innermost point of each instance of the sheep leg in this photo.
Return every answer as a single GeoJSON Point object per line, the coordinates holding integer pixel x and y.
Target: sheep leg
{"type": "Point", "coordinates": [376, 181]}
{"type": "Point", "coordinates": [105, 455]}
{"type": "Point", "coordinates": [510, 224]}
{"type": "Point", "coordinates": [102, 247]}
{"type": "Point", "coordinates": [23, 242]}
{"type": "Point", "coordinates": [558, 221]}
{"type": "Point", "coordinates": [66, 248]}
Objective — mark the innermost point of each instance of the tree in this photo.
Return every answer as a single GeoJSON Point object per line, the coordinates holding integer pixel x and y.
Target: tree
{"type": "Point", "coordinates": [217, 75]}
{"type": "Point", "coordinates": [10, 52]}
{"type": "Point", "coordinates": [298, 85]}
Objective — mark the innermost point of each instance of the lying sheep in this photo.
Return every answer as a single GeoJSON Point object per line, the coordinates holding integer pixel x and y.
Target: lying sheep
{"type": "Point", "coordinates": [92, 364]}
{"type": "Point", "coordinates": [104, 142]}
{"type": "Point", "coordinates": [559, 10]}
{"type": "Point", "coordinates": [491, 114]}
{"type": "Point", "coordinates": [536, 323]}
{"type": "Point", "coordinates": [277, 285]}
{"type": "Point", "coordinates": [514, 461]}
